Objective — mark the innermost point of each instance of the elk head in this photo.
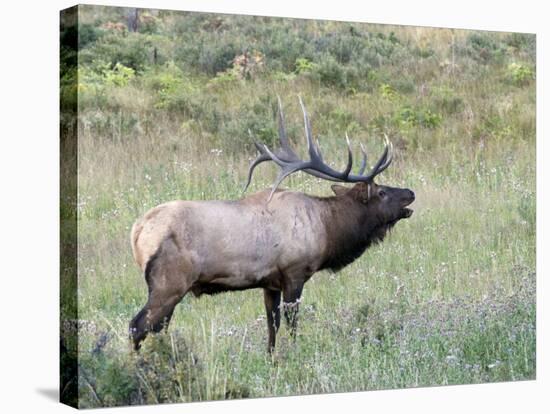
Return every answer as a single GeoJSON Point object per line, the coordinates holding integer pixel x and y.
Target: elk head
{"type": "Point", "coordinates": [386, 204]}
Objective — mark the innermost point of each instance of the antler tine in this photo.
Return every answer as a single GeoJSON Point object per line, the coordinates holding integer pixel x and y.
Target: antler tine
{"type": "Point", "coordinates": [375, 170]}
{"type": "Point", "coordinates": [316, 158]}
{"type": "Point", "coordinates": [313, 149]}
{"type": "Point", "coordinates": [283, 138]}
{"type": "Point", "coordinates": [313, 153]}
{"type": "Point", "coordinates": [259, 159]}
{"type": "Point", "coordinates": [350, 158]}
{"type": "Point", "coordinates": [318, 149]}
{"type": "Point", "coordinates": [285, 152]}
{"type": "Point", "coordinates": [363, 161]}
{"type": "Point", "coordinates": [286, 170]}
{"type": "Point", "coordinates": [389, 158]}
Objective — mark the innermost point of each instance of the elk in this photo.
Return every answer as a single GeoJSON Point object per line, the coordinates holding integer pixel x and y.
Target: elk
{"type": "Point", "coordinates": [274, 240]}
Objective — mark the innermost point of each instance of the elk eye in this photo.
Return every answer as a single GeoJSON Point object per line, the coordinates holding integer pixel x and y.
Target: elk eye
{"type": "Point", "coordinates": [382, 194]}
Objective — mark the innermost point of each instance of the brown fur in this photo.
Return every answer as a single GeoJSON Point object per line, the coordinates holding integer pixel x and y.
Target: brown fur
{"type": "Point", "coordinates": [216, 246]}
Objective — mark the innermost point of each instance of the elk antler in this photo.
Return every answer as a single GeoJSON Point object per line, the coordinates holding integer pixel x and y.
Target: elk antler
{"type": "Point", "coordinates": [290, 162]}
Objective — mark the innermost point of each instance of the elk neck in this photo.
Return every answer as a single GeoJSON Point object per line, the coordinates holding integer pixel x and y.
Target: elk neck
{"type": "Point", "coordinates": [349, 229]}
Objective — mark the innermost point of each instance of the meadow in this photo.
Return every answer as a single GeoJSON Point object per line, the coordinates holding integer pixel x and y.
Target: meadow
{"type": "Point", "coordinates": [164, 114]}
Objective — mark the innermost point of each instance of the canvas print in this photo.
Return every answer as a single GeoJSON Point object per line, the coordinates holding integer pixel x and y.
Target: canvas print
{"type": "Point", "coordinates": [260, 206]}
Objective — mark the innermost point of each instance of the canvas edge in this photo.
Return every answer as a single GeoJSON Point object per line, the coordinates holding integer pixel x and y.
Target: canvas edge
{"type": "Point", "coordinates": [68, 192]}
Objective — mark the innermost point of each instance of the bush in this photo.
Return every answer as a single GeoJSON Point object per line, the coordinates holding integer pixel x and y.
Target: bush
{"type": "Point", "coordinates": [120, 75]}
{"type": "Point", "coordinates": [208, 53]}
{"type": "Point", "coordinates": [492, 126]}
{"type": "Point", "coordinates": [95, 80]}
{"type": "Point", "coordinates": [343, 46]}
{"type": "Point", "coordinates": [304, 65]}
{"type": "Point", "coordinates": [108, 377]}
{"type": "Point", "coordinates": [133, 50]}
{"type": "Point", "coordinates": [173, 89]}
{"type": "Point", "coordinates": [285, 43]}
{"type": "Point", "coordinates": [330, 73]}
{"type": "Point", "coordinates": [225, 79]}
{"type": "Point", "coordinates": [258, 118]}
{"type": "Point", "coordinates": [418, 117]}
{"type": "Point", "coordinates": [483, 47]}
{"type": "Point", "coordinates": [520, 74]}
{"type": "Point", "coordinates": [522, 43]}
{"type": "Point", "coordinates": [388, 92]}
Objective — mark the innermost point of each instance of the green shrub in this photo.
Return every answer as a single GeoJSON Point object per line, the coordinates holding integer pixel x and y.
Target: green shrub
{"type": "Point", "coordinates": [522, 43]}
{"type": "Point", "coordinates": [109, 377]}
{"type": "Point", "coordinates": [520, 74]}
{"type": "Point", "coordinates": [304, 65]}
{"type": "Point", "coordinates": [483, 47]}
{"type": "Point", "coordinates": [284, 42]}
{"type": "Point", "coordinates": [258, 118]}
{"type": "Point", "coordinates": [217, 58]}
{"type": "Point", "coordinates": [225, 79]}
{"type": "Point", "coordinates": [95, 80]}
{"type": "Point", "coordinates": [418, 117]}
{"type": "Point", "coordinates": [493, 126]}
{"type": "Point", "coordinates": [133, 50]}
{"type": "Point", "coordinates": [388, 92]}
{"type": "Point", "coordinates": [344, 46]}
{"type": "Point", "coordinates": [172, 87]}
{"type": "Point", "coordinates": [88, 34]}
{"type": "Point", "coordinates": [208, 53]}
{"type": "Point", "coordinates": [119, 75]}
{"type": "Point", "coordinates": [330, 73]}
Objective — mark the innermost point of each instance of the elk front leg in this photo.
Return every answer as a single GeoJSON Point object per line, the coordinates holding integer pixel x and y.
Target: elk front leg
{"type": "Point", "coordinates": [272, 299]}
{"type": "Point", "coordinates": [291, 301]}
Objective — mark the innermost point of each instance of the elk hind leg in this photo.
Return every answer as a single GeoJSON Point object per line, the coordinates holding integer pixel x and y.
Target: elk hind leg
{"type": "Point", "coordinates": [152, 318]}
{"type": "Point", "coordinates": [167, 287]}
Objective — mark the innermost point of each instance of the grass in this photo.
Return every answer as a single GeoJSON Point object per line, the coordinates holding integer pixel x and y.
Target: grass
{"type": "Point", "coordinates": [465, 259]}
{"type": "Point", "coordinates": [447, 298]}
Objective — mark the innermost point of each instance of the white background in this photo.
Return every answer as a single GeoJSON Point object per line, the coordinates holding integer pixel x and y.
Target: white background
{"type": "Point", "coordinates": [29, 205]}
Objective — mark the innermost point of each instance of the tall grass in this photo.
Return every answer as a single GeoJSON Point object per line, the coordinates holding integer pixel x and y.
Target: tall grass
{"type": "Point", "coordinates": [447, 298]}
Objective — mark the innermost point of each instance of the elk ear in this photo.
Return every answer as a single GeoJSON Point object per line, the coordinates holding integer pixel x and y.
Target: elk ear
{"type": "Point", "coordinates": [339, 189]}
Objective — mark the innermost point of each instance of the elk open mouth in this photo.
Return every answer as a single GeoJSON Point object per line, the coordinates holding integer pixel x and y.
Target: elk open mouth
{"type": "Point", "coordinates": [406, 212]}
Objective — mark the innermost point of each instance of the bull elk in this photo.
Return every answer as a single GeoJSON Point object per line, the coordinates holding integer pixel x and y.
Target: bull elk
{"type": "Point", "coordinates": [274, 239]}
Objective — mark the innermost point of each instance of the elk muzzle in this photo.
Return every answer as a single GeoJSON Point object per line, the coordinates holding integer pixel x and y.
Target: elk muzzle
{"type": "Point", "coordinates": [408, 199]}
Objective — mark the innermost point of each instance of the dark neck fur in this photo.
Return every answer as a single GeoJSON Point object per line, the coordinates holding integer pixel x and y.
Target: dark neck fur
{"type": "Point", "coordinates": [350, 231]}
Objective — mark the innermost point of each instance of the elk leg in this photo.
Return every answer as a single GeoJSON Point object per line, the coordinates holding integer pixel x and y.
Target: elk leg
{"type": "Point", "coordinates": [291, 302]}
{"type": "Point", "coordinates": [167, 287]}
{"type": "Point", "coordinates": [154, 316]}
{"type": "Point", "coordinates": [272, 299]}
